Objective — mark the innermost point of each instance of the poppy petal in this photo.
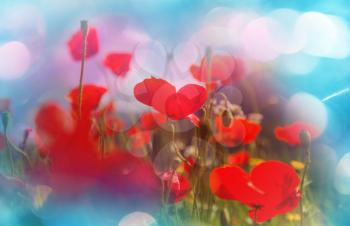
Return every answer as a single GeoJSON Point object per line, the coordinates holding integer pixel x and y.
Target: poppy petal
{"type": "Point", "coordinates": [146, 91]}
{"type": "Point", "coordinates": [179, 188]}
{"type": "Point", "coordinates": [91, 97]}
{"type": "Point", "coordinates": [230, 136]}
{"type": "Point", "coordinates": [291, 133]}
{"type": "Point", "coordinates": [118, 63]}
{"type": "Point", "coordinates": [75, 44]}
{"type": "Point", "coordinates": [252, 130]}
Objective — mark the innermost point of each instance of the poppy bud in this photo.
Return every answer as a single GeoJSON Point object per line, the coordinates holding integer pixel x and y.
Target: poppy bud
{"type": "Point", "coordinates": [226, 118]}
{"type": "Point", "coordinates": [84, 27]}
{"type": "Point", "coordinates": [5, 117]}
{"type": "Point", "coordinates": [305, 138]}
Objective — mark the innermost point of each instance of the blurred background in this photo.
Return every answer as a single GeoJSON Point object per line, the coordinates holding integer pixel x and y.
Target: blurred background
{"type": "Point", "coordinates": [298, 49]}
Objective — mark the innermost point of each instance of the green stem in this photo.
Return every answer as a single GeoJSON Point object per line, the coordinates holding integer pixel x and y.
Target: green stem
{"type": "Point", "coordinates": [84, 31]}
{"type": "Point", "coordinates": [9, 154]}
{"type": "Point", "coordinates": [254, 220]}
{"type": "Point", "coordinates": [306, 143]}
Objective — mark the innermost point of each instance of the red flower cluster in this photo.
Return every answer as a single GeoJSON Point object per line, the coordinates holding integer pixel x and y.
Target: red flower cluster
{"type": "Point", "coordinates": [291, 133]}
{"type": "Point", "coordinates": [270, 189]}
{"type": "Point", "coordinates": [118, 63]}
{"type": "Point", "coordinates": [239, 131]}
{"type": "Point", "coordinates": [74, 156]}
{"type": "Point", "coordinates": [163, 97]}
{"type": "Point", "coordinates": [140, 133]}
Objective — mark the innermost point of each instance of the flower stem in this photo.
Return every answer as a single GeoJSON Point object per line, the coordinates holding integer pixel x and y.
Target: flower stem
{"type": "Point", "coordinates": [5, 118]}
{"type": "Point", "coordinates": [306, 143]}
{"type": "Point", "coordinates": [84, 31]}
{"type": "Point", "coordinates": [254, 220]}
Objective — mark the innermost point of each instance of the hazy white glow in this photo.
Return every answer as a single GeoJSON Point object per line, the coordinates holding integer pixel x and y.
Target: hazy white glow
{"type": "Point", "coordinates": [342, 175]}
{"type": "Point", "coordinates": [307, 108]}
{"type": "Point", "coordinates": [151, 57]}
{"type": "Point", "coordinates": [257, 40]}
{"type": "Point", "coordinates": [298, 64]}
{"type": "Point", "coordinates": [218, 16]}
{"type": "Point", "coordinates": [323, 35]}
{"type": "Point", "coordinates": [15, 59]}
{"type": "Point", "coordinates": [184, 55]}
{"type": "Point", "coordinates": [214, 36]}
{"type": "Point", "coordinates": [237, 24]}
{"type": "Point", "coordinates": [283, 31]}
{"type": "Point", "coordinates": [137, 219]}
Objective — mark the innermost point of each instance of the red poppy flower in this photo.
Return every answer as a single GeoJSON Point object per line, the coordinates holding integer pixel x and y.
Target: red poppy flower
{"type": "Point", "coordinates": [179, 187]}
{"type": "Point", "coordinates": [252, 130]}
{"type": "Point", "coordinates": [74, 159]}
{"type": "Point", "coordinates": [75, 44]}
{"type": "Point", "coordinates": [291, 133]}
{"type": "Point", "coordinates": [163, 97]}
{"type": "Point", "coordinates": [239, 158]}
{"type": "Point", "coordinates": [91, 97]}
{"type": "Point", "coordinates": [270, 189]}
{"type": "Point", "coordinates": [118, 63]}
{"type": "Point", "coordinates": [219, 69]}
{"type": "Point", "coordinates": [65, 141]}
{"type": "Point", "coordinates": [239, 131]}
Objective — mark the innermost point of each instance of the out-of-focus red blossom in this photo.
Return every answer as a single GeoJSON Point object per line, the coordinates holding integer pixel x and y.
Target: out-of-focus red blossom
{"type": "Point", "coordinates": [141, 133]}
{"type": "Point", "coordinates": [2, 141]}
{"type": "Point", "coordinates": [163, 97]}
{"type": "Point", "coordinates": [270, 189]}
{"type": "Point", "coordinates": [239, 131]}
{"type": "Point", "coordinates": [4, 104]}
{"type": "Point", "coordinates": [105, 110]}
{"type": "Point", "coordinates": [126, 175]}
{"type": "Point", "coordinates": [66, 142]}
{"type": "Point", "coordinates": [188, 164]}
{"type": "Point", "coordinates": [111, 124]}
{"type": "Point", "coordinates": [91, 97]}
{"type": "Point", "coordinates": [252, 130]}
{"type": "Point", "coordinates": [218, 70]}
{"type": "Point", "coordinates": [178, 185]}
{"type": "Point", "coordinates": [75, 44]}
{"type": "Point", "coordinates": [118, 63]}
{"type": "Point", "coordinates": [240, 158]}
{"type": "Point", "coordinates": [291, 133]}
{"type": "Point", "coordinates": [74, 159]}
{"type": "Point", "coordinates": [151, 120]}
{"type": "Point", "coordinates": [138, 138]}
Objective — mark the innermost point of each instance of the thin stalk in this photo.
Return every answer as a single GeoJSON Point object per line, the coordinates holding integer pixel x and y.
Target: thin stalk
{"type": "Point", "coordinates": [254, 220]}
{"type": "Point", "coordinates": [84, 31]}
{"type": "Point", "coordinates": [9, 154]}
{"type": "Point", "coordinates": [306, 143]}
